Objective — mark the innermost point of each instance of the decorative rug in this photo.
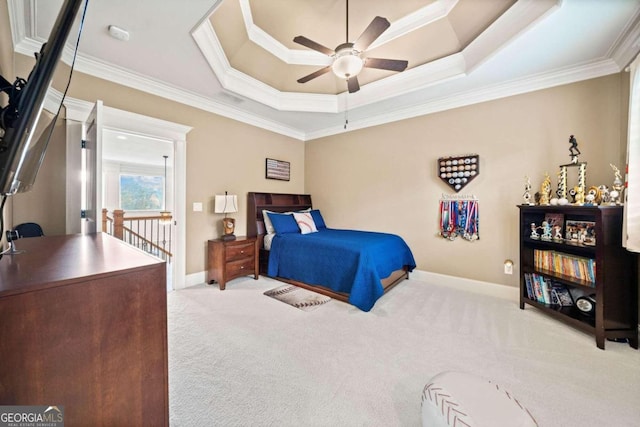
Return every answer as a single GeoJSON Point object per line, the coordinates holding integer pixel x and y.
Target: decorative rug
{"type": "Point", "coordinates": [298, 297]}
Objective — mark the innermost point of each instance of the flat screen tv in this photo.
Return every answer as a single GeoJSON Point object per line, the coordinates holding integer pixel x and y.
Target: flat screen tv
{"type": "Point", "coordinates": [25, 125]}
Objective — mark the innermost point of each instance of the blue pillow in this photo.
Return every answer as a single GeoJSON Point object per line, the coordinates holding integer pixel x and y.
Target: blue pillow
{"type": "Point", "coordinates": [283, 223]}
{"type": "Point", "coordinates": [317, 218]}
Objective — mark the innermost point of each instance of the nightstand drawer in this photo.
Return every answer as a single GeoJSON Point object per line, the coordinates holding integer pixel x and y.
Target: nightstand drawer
{"type": "Point", "coordinates": [236, 252]}
{"type": "Point", "coordinates": [242, 267]}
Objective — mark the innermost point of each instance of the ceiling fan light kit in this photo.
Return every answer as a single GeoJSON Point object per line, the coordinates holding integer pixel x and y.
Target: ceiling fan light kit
{"type": "Point", "coordinates": [347, 62]}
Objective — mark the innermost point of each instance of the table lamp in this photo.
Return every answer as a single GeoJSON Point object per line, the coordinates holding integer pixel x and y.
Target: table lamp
{"type": "Point", "coordinates": [227, 204]}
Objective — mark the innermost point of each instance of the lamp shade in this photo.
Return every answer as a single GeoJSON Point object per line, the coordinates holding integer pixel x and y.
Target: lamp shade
{"type": "Point", "coordinates": [226, 204]}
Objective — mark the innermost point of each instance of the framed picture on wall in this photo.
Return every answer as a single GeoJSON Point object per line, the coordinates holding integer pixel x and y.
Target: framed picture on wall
{"type": "Point", "coordinates": [277, 169]}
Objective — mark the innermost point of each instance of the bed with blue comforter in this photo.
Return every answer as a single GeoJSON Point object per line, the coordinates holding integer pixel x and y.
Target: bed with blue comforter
{"type": "Point", "coordinates": [357, 267]}
{"type": "Point", "coordinates": [350, 262]}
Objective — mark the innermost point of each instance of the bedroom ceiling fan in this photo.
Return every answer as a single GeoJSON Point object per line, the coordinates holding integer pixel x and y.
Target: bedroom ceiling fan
{"type": "Point", "coordinates": [347, 57]}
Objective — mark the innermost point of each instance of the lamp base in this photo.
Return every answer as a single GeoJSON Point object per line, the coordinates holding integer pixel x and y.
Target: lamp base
{"type": "Point", "coordinates": [228, 237]}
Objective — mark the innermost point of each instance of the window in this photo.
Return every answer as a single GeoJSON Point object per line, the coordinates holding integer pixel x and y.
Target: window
{"type": "Point", "coordinates": [141, 192]}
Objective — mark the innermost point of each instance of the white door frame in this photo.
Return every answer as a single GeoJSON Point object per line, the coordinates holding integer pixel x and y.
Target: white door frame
{"type": "Point", "coordinates": [126, 121]}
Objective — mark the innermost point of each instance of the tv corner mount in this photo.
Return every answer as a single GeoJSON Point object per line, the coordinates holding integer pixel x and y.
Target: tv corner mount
{"type": "Point", "coordinates": [9, 112]}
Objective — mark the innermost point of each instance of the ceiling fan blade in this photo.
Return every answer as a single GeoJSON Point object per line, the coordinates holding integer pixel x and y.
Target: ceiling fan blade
{"type": "Point", "coordinates": [313, 45]}
{"type": "Point", "coordinates": [352, 84]}
{"type": "Point", "coordinates": [315, 74]}
{"type": "Point", "coordinates": [372, 32]}
{"type": "Point", "coordinates": [386, 64]}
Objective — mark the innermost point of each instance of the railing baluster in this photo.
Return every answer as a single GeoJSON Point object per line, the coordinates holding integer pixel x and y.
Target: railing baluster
{"type": "Point", "coordinates": [144, 232]}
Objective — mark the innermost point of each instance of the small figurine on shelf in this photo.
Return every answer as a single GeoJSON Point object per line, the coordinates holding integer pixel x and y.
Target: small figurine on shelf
{"type": "Point", "coordinates": [618, 185]}
{"type": "Point", "coordinates": [534, 232]}
{"type": "Point", "coordinates": [597, 195]}
{"type": "Point", "coordinates": [557, 233]}
{"type": "Point", "coordinates": [546, 231]}
{"type": "Point", "coordinates": [604, 194]}
{"type": "Point", "coordinates": [545, 190]}
{"type": "Point", "coordinates": [527, 191]}
{"type": "Point", "coordinates": [573, 149]}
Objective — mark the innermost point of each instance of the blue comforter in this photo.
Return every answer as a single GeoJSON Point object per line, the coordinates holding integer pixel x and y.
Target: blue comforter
{"type": "Point", "coordinates": [346, 261]}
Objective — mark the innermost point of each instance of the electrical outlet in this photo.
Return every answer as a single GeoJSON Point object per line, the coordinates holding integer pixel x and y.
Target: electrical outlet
{"type": "Point", "coordinates": [508, 267]}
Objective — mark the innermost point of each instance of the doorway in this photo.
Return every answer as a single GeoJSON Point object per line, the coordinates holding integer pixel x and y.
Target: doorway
{"type": "Point", "coordinates": [156, 136]}
{"type": "Point", "coordinates": [137, 191]}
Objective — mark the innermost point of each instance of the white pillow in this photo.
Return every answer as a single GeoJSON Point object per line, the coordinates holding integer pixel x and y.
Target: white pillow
{"type": "Point", "coordinates": [305, 222]}
{"type": "Point", "coordinates": [268, 227]}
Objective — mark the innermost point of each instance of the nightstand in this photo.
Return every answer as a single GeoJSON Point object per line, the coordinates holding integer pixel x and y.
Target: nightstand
{"type": "Point", "coordinates": [227, 260]}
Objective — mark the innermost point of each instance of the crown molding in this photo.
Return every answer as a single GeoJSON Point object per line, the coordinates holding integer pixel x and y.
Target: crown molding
{"type": "Point", "coordinates": [421, 17]}
{"type": "Point", "coordinates": [124, 77]}
{"type": "Point", "coordinates": [487, 93]}
{"type": "Point", "coordinates": [626, 47]}
{"type": "Point", "coordinates": [618, 57]}
{"type": "Point", "coordinates": [411, 22]}
{"type": "Point", "coordinates": [242, 84]}
{"type": "Point", "coordinates": [77, 109]}
{"type": "Point", "coordinates": [515, 21]}
{"type": "Point", "coordinates": [289, 56]}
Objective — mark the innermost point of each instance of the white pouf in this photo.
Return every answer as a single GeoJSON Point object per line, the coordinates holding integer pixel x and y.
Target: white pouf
{"type": "Point", "coordinates": [465, 400]}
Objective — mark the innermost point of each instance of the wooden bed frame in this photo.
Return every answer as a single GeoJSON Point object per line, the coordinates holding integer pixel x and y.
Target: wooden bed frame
{"type": "Point", "coordinates": [279, 202]}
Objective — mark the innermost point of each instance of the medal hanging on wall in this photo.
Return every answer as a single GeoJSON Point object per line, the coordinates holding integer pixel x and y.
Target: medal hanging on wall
{"type": "Point", "coordinates": [459, 218]}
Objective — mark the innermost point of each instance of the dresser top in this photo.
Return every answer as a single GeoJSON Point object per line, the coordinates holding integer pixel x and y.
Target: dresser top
{"type": "Point", "coordinates": [51, 261]}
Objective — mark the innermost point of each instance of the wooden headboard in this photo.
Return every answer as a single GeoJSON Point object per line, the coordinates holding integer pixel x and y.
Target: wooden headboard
{"type": "Point", "coordinates": [275, 202]}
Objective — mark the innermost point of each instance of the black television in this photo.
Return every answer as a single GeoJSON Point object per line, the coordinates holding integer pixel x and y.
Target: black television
{"type": "Point", "coordinates": [25, 125]}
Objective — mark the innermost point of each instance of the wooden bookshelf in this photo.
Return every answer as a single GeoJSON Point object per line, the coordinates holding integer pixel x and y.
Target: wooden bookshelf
{"type": "Point", "coordinates": [615, 287]}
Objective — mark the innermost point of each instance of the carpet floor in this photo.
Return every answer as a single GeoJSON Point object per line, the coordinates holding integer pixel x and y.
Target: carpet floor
{"type": "Point", "coordinates": [240, 358]}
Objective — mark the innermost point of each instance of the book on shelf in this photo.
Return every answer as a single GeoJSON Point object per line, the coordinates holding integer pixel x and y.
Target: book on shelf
{"type": "Point", "coordinates": [562, 294]}
{"type": "Point", "coordinates": [529, 286]}
{"type": "Point", "coordinates": [580, 268]}
{"type": "Point", "coordinates": [546, 291]}
{"type": "Point", "coordinates": [538, 288]}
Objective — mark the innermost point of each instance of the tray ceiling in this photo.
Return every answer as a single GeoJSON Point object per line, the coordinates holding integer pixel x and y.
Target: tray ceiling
{"type": "Point", "coordinates": [237, 58]}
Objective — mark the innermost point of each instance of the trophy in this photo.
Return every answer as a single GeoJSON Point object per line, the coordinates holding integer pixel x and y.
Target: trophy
{"type": "Point", "coordinates": [615, 194]}
{"type": "Point", "coordinates": [527, 191]}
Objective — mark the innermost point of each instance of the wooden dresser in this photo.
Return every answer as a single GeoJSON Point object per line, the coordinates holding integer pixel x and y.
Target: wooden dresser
{"type": "Point", "coordinates": [83, 325]}
{"type": "Point", "coordinates": [227, 260]}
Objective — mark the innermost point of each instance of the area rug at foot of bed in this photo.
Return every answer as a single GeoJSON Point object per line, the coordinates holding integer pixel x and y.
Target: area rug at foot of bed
{"type": "Point", "coordinates": [298, 297]}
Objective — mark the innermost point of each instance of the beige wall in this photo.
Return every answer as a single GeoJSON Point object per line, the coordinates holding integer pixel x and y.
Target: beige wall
{"type": "Point", "coordinates": [222, 155]}
{"type": "Point", "coordinates": [385, 179]}
{"type": "Point", "coordinates": [45, 203]}
{"type": "Point", "coordinates": [6, 45]}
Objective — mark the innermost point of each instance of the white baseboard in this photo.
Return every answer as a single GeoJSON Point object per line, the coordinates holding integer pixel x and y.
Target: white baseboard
{"type": "Point", "coordinates": [487, 288]}
{"type": "Point", "coordinates": [195, 279]}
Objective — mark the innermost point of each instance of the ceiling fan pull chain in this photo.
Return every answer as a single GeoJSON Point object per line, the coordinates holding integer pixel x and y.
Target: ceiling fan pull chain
{"type": "Point", "coordinates": [346, 111]}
